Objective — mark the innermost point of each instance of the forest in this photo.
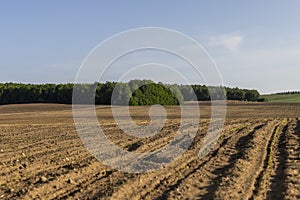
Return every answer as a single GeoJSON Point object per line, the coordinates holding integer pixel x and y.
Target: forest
{"type": "Point", "coordinates": [135, 92]}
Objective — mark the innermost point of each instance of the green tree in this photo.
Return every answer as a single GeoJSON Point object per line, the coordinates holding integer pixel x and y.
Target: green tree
{"type": "Point", "coordinates": [235, 94]}
{"type": "Point", "coordinates": [153, 93]}
{"type": "Point", "coordinates": [121, 94]}
{"type": "Point", "coordinates": [176, 92]}
{"type": "Point", "coordinates": [251, 95]}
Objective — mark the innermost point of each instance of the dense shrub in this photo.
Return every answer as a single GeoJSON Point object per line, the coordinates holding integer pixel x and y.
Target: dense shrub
{"type": "Point", "coordinates": [153, 93]}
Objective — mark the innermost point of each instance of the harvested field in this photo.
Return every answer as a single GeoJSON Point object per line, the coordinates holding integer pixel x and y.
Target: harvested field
{"type": "Point", "coordinates": [256, 157]}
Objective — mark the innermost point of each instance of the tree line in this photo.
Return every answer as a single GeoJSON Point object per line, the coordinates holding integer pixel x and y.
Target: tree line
{"type": "Point", "coordinates": [289, 92]}
{"type": "Point", "coordinates": [135, 92]}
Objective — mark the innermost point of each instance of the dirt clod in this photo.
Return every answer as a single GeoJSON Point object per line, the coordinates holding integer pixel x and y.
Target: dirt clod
{"type": "Point", "coordinates": [43, 179]}
{"type": "Point", "coordinates": [70, 181]}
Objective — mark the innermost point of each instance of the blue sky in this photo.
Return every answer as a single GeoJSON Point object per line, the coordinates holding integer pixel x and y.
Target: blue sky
{"type": "Point", "coordinates": [255, 44]}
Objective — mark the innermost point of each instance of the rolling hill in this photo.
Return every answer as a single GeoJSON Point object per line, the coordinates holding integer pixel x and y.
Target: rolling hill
{"type": "Point", "coordinates": [284, 98]}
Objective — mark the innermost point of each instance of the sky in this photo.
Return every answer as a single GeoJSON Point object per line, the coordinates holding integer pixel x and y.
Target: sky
{"type": "Point", "coordinates": [254, 44]}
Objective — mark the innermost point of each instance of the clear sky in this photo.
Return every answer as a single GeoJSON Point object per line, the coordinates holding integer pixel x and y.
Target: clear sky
{"type": "Point", "coordinates": [255, 44]}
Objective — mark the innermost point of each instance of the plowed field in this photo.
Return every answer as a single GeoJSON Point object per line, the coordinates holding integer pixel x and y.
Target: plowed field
{"type": "Point", "coordinates": [256, 157]}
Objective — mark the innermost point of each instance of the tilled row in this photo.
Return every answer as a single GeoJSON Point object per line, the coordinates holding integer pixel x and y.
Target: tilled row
{"type": "Point", "coordinates": [46, 171]}
{"type": "Point", "coordinates": [188, 175]}
{"type": "Point", "coordinates": [253, 159]}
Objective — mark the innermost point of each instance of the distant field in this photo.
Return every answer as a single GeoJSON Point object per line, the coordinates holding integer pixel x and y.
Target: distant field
{"type": "Point", "coordinates": [285, 98]}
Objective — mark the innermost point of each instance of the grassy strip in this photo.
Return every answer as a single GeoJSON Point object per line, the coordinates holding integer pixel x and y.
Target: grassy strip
{"type": "Point", "coordinates": [284, 98]}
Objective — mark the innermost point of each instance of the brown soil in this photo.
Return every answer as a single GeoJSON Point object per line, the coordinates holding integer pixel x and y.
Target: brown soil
{"type": "Point", "coordinates": [256, 157]}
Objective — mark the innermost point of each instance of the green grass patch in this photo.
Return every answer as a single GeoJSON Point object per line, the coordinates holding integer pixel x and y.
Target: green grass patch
{"type": "Point", "coordinates": [284, 98]}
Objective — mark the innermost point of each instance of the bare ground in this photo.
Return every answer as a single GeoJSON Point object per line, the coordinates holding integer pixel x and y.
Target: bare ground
{"type": "Point", "coordinates": [257, 156]}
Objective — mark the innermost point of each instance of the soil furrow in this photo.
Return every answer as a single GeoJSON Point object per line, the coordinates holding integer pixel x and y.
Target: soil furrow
{"type": "Point", "coordinates": [262, 180]}
{"type": "Point", "coordinates": [256, 157]}
{"type": "Point", "coordinates": [173, 176]}
{"type": "Point", "coordinates": [292, 170]}
{"type": "Point", "coordinates": [240, 174]}
{"type": "Point", "coordinates": [277, 174]}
